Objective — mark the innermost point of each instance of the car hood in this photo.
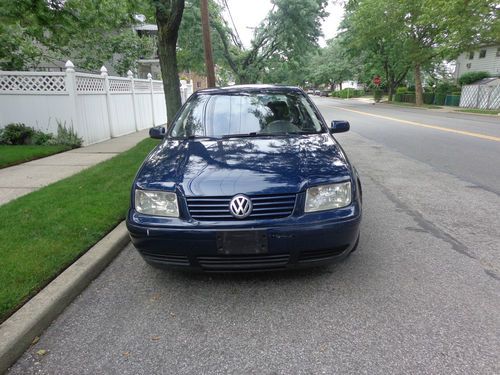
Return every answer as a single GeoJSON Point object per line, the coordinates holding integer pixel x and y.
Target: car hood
{"type": "Point", "coordinates": [224, 167]}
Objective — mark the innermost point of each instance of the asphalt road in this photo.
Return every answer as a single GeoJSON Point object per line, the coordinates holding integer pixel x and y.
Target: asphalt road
{"type": "Point", "coordinates": [420, 295]}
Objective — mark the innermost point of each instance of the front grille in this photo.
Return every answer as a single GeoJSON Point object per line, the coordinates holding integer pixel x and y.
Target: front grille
{"type": "Point", "coordinates": [316, 255]}
{"type": "Point", "coordinates": [243, 262]}
{"type": "Point", "coordinates": [264, 207]}
{"type": "Point", "coordinates": [167, 259]}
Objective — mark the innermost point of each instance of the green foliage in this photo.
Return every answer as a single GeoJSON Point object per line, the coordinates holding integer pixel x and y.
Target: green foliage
{"type": "Point", "coordinates": [41, 138]}
{"type": "Point", "coordinates": [66, 136]}
{"type": "Point", "coordinates": [439, 98]}
{"type": "Point", "coordinates": [446, 87]}
{"type": "Point", "coordinates": [471, 77]}
{"type": "Point", "coordinates": [20, 134]}
{"type": "Point", "coordinates": [401, 90]}
{"type": "Point", "coordinates": [90, 33]}
{"type": "Point", "coordinates": [16, 134]}
{"type": "Point", "coordinates": [428, 98]}
{"type": "Point", "coordinates": [377, 95]}
{"type": "Point", "coordinates": [288, 34]}
{"type": "Point", "coordinates": [398, 35]}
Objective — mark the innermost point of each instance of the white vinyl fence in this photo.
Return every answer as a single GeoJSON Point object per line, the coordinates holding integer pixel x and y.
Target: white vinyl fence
{"type": "Point", "coordinates": [98, 107]}
{"type": "Point", "coordinates": [480, 96]}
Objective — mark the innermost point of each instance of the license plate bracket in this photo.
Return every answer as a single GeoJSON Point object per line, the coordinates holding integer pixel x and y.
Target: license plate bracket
{"type": "Point", "coordinates": [242, 242]}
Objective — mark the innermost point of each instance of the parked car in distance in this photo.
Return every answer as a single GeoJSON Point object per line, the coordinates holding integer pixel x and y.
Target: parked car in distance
{"type": "Point", "coordinates": [324, 93]}
{"type": "Point", "coordinates": [247, 178]}
{"type": "Point", "coordinates": [310, 92]}
{"type": "Point", "coordinates": [317, 92]}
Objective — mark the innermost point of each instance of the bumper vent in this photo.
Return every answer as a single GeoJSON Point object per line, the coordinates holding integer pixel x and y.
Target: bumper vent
{"type": "Point", "coordinates": [316, 255]}
{"type": "Point", "coordinates": [244, 263]}
{"type": "Point", "coordinates": [167, 259]}
{"type": "Point", "coordinates": [264, 207]}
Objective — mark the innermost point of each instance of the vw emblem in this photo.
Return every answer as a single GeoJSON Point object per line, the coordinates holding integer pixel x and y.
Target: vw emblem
{"type": "Point", "coordinates": [240, 206]}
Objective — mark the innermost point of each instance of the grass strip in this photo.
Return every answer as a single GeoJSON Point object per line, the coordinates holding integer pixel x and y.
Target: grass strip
{"type": "Point", "coordinates": [46, 231]}
{"type": "Point", "coordinates": [12, 155]}
{"type": "Point", "coordinates": [403, 104]}
{"type": "Point", "coordinates": [480, 111]}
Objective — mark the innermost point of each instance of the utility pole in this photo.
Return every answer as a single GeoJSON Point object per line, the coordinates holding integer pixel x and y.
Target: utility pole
{"type": "Point", "coordinates": [207, 44]}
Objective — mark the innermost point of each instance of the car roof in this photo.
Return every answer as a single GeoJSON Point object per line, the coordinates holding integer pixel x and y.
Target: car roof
{"type": "Point", "coordinates": [250, 89]}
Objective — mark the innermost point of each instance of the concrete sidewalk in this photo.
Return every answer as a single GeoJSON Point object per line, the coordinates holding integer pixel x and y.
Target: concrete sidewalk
{"type": "Point", "coordinates": [24, 178]}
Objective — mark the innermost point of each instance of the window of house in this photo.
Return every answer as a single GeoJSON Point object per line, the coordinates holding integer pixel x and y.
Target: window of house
{"type": "Point", "coordinates": [471, 55]}
{"type": "Point", "coordinates": [198, 84]}
{"type": "Point", "coordinates": [498, 51]}
{"type": "Point", "coordinates": [482, 54]}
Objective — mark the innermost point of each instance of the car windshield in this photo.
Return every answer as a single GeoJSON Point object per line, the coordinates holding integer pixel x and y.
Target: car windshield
{"type": "Point", "coordinates": [246, 114]}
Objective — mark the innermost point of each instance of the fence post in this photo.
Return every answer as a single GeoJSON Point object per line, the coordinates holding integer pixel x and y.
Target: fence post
{"type": "Point", "coordinates": [130, 76]}
{"type": "Point", "coordinates": [150, 78]}
{"type": "Point", "coordinates": [104, 73]}
{"type": "Point", "coordinates": [72, 92]}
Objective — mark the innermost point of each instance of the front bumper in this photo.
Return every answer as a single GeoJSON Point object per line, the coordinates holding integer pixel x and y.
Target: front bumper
{"type": "Point", "coordinates": [310, 240]}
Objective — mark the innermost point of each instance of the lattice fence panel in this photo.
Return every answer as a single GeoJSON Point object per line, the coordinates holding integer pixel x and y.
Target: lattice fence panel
{"type": "Point", "coordinates": [142, 85]}
{"type": "Point", "coordinates": [495, 98]}
{"type": "Point", "coordinates": [157, 86]}
{"type": "Point", "coordinates": [483, 97]}
{"type": "Point", "coordinates": [468, 97]}
{"type": "Point", "coordinates": [89, 84]}
{"type": "Point", "coordinates": [32, 83]}
{"type": "Point", "coordinates": [120, 85]}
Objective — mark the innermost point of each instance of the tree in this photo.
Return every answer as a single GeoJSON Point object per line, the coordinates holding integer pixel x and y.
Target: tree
{"type": "Point", "coordinates": [289, 31]}
{"type": "Point", "coordinates": [89, 33]}
{"type": "Point", "coordinates": [333, 65]}
{"type": "Point", "coordinates": [417, 34]}
{"type": "Point", "coordinates": [373, 34]}
{"type": "Point", "coordinates": [168, 18]}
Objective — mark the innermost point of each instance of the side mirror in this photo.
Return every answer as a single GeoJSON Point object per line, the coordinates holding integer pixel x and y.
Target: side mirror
{"type": "Point", "coordinates": [339, 126]}
{"type": "Point", "coordinates": [157, 132]}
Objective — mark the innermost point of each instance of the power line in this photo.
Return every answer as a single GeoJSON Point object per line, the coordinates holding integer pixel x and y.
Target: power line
{"type": "Point", "coordinates": [232, 21]}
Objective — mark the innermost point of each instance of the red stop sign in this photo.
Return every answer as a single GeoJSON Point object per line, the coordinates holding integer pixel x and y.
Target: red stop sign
{"type": "Point", "coordinates": [377, 81]}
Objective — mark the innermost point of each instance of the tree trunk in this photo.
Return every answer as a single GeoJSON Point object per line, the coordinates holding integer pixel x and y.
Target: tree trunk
{"type": "Point", "coordinates": [168, 19]}
{"type": "Point", "coordinates": [419, 100]}
{"type": "Point", "coordinates": [390, 92]}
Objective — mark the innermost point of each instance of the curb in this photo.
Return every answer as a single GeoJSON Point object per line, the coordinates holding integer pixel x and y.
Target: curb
{"type": "Point", "coordinates": [18, 332]}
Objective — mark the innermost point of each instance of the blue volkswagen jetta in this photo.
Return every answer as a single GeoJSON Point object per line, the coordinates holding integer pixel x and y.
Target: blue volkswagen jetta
{"type": "Point", "coordinates": [247, 178]}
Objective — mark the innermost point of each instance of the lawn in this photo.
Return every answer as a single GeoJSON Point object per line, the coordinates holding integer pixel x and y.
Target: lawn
{"type": "Point", "coordinates": [430, 106]}
{"type": "Point", "coordinates": [44, 232]}
{"type": "Point", "coordinates": [12, 155]}
{"type": "Point", "coordinates": [481, 111]}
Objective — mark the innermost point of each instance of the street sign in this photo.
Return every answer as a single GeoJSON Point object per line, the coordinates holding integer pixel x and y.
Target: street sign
{"type": "Point", "coordinates": [376, 80]}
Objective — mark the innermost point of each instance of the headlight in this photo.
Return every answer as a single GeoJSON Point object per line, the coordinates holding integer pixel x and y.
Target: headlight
{"type": "Point", "coordinates": [157, 203]}
{"type": "Point", "coordinates": [328, 197]}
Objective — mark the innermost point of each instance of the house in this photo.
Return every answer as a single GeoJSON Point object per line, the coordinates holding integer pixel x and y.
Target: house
{"type": "Point", "coordinates": [483, 59]}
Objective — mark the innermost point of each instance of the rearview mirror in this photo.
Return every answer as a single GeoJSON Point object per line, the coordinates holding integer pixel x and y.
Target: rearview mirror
{"type": "Point", "coordinates": [157, 132]}
{"type": "Point", "coordinates": [339, 126]}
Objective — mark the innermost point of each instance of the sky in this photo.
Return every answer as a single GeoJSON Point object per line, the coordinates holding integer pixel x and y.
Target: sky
{"type": "Point", "coordinates": [248, 14]}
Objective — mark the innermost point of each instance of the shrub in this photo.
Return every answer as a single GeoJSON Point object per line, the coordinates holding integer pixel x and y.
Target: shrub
{"type": "Point", "coordinates": [439, 98]}
{"type": "Point", "coordinates": [377, 95]}
{"type": "Point", "coordinates": [66, 136]}
{"type": "Point", "coordinates": [41, 138]}
{"type": "Point", "coordinates": [401, 90]}
{"type": "Point", "coordinates": [471, 77]}
{"type": "Point", "coordinates": [428, 97]}
{"type": "Point", "coordinates": [16, 134]}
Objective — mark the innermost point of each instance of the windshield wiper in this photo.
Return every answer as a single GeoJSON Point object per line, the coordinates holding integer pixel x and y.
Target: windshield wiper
{"type": "Point", "coordinates": [243, 135]}
{"type": "Point", "coordinates": [191, 137]}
